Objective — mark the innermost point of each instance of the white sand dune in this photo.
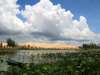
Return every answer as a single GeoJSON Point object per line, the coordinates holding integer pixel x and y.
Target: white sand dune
{"type": "Point", "coordinates": [49, 45]}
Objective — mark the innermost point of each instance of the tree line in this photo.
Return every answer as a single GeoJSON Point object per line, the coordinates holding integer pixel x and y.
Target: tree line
{"type": "Point", "coordinates": [10, 43]}
{"type": "Point", "coordinates": [90, 46]}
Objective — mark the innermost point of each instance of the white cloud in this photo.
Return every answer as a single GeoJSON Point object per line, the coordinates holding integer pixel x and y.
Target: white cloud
{"type": "Point", "coordinates": [9, 23]}
{"type": "Point", "coordinates": [44, 21]}
{"type": "Point", "coordinates": [46, 18]}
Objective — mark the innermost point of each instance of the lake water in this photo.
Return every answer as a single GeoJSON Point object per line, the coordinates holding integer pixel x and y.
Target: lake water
{"type": "Point", "coordinates": [27, 56]}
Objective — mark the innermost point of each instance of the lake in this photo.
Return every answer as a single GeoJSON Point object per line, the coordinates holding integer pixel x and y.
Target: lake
{"type": "Point", "coordinates": [27, 56]}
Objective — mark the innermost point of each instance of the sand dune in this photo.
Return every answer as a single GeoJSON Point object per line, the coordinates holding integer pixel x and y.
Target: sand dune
{"type": "Point", "coordinates": [49, 45]}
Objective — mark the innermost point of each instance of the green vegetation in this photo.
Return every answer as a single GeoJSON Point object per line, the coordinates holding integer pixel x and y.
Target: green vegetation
{"type": "Point", "coordinates": [11, 43]}
{"type": "Point", "coordinates": [90, 46]}
{"type": "Point", "coordinates": [85, 63]}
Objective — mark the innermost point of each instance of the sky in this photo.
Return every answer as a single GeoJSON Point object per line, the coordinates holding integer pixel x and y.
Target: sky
{"type": "Point", "coordinates": [88, 8]}
{"type": "Point", "coordinates": [68, 21]}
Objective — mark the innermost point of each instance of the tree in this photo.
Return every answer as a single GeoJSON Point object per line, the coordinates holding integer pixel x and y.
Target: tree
{"type": "Point", "coordinates": [11, 43]}
{"type": "Point", "coordinates": [1, 44]}
{"type": "Point", "coordinates": [90, 46]}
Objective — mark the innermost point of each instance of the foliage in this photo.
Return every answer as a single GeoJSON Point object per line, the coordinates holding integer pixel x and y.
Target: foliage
{"type": "Point", "coordinates": [11, 43]}
{"type": "Point", "coordinates": [90, 46]}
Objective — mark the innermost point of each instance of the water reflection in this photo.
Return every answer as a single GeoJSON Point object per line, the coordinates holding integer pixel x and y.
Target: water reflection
{"type": "Point", "coordinates": [28, 56]}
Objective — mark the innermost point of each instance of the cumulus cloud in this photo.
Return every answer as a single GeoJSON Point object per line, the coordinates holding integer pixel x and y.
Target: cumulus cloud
{"type": "Point", "coordinates": [9, 22]}
{"type": "Point", "coordinates": [54, 22]}
{"type": "Point", "coordinates": [43, 21]}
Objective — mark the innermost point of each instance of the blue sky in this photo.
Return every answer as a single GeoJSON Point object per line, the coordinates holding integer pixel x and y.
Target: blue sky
{"type": "Point", "coordinates": [88, 8]}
